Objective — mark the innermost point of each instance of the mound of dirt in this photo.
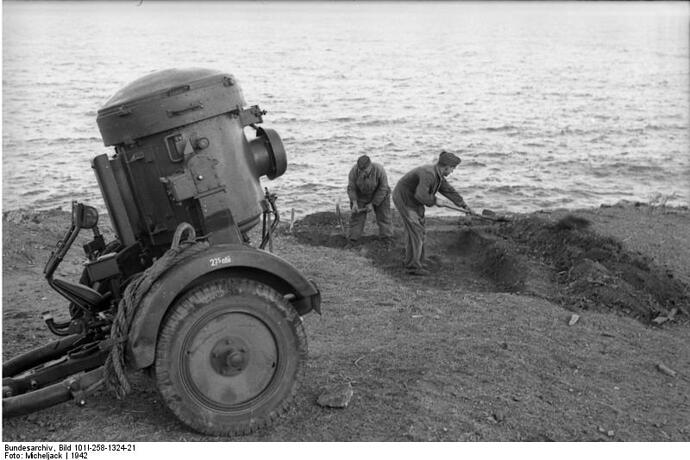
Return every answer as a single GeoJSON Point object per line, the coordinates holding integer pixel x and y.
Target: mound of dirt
{"type": "Point", "coordinates": [597, 272]}
{"type": "Point", "coordinates": [320, 229]}
{"type": "Point", "coordinates": [564, 261]}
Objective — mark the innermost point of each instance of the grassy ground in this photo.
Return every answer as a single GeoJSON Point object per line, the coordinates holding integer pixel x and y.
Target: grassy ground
{"type": "Point", "coordinates": [460, 356]}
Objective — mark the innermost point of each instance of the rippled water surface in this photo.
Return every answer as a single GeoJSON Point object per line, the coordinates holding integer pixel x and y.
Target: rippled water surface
{"type": "Point", "coordinates": [551, 104]}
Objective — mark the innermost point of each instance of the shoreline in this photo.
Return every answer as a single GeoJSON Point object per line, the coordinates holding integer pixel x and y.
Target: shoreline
{"type": "Point", "coordinates": [658, 201]}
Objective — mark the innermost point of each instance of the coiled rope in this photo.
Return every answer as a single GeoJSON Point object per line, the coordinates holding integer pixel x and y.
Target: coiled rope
{"type": "Point", "coordinates": [115, 368]}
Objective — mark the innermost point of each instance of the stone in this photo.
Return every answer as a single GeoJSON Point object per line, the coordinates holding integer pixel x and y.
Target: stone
{"type": "Point", "coordinates": [337, 396]}
{"type": "Point", "coordinates": [665, 369]}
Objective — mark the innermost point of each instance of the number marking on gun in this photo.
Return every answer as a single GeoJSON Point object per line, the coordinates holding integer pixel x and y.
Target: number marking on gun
{"type": "Point", "coordinates": [216, 261]}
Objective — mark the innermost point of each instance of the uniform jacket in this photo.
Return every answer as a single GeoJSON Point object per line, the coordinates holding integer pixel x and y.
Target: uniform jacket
{"type": "Point", "coordinates": [371, 187]}
{"type": "Point", "coordinates": [417, 188]}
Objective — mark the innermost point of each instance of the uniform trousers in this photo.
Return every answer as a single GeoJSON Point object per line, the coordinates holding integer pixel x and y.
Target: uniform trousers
{"type": "Point", "coordinates": [383, 219]}
{"type": "Point", "coordinates": [415, 234]}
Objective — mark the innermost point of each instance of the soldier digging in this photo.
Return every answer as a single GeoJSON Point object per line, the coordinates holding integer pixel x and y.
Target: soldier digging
{"type": "Point", "coordinates": [368, 190]}
{"type": "Point", "coordinates": [413, 192]}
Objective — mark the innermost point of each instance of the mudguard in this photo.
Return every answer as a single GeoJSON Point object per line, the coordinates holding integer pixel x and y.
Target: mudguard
{"type": "Point", "coordinates": [221, 260]}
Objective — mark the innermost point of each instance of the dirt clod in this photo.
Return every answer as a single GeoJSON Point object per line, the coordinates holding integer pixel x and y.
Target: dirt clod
{"type": "Point", "coordinates": [336, 396]}
{"type": "Point", "coordinates": [666, 370]}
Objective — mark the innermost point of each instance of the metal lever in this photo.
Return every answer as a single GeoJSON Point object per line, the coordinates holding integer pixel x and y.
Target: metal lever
{"type": "Point", "coordinates": [63, 328]}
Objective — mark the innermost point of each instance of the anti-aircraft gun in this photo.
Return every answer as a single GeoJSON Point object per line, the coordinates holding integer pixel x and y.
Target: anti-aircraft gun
{"type": "Point", "coordinates": [180, 291]}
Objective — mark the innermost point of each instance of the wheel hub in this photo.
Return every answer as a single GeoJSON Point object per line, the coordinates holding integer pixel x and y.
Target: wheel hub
{"type": "Point", "coordinates": [230, 356]}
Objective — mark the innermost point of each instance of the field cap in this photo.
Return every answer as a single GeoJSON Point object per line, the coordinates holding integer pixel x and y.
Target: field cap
{"type": "Point", "coordinates": [363, 162]}
{"type": "Point", "coordinates": [448, 159]}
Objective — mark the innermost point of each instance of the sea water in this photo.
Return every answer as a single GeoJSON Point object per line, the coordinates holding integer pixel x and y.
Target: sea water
{"type": "Point", "coordinates": [549, 104]}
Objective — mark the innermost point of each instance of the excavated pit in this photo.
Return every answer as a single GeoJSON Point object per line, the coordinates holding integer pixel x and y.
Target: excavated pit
{"type": "Point", "coordinates": [563, 261]}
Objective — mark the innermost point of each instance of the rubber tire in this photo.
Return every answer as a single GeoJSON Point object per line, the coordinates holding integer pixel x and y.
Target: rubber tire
{"type": "Point", "coordinates": [190, 313]}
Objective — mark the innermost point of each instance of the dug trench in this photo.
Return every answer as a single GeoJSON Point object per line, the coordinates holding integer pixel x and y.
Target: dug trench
{"type": "Point", "coordinates": [561, 260]}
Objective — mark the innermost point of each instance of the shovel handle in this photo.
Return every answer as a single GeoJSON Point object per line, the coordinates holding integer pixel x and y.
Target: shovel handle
{"type": "Point", "coordinates": [455, 208]}
{"type": "Point", "coordinates": [493, 219]}
{"type": "Point", "coordinates": [340, 220]}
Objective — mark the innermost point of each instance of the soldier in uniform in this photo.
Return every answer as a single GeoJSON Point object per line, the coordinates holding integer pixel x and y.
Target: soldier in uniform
{"type": "Point", "coordinates": [412, 193]}
{"type": "Point", "coordinates": [368, 190]}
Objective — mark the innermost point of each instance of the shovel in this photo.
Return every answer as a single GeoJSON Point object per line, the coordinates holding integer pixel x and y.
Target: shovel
{"type": "Point", "coordinates": [486, 214]}
{"type": "Point", "coordinates": [340, 220]}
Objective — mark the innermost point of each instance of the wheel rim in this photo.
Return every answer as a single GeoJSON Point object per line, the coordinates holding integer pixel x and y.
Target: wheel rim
{"type": "Point", "coordinates": [228, 359]}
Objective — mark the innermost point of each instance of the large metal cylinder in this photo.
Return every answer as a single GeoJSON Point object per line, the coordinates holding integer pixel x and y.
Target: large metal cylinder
{"type": "Point", "coordinates": [182, 156]}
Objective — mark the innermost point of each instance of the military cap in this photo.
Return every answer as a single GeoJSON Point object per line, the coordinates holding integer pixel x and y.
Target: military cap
{"type": "Point", "coordinates": [363, 162]}
{"type": "Point", "coordinates": [448, 159]}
